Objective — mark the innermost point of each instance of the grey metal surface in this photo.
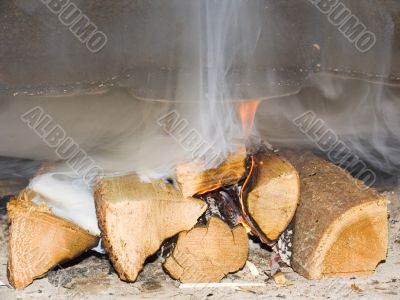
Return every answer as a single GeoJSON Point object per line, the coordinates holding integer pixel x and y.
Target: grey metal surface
{"type": "Point", "coordinates": [145, 47]}
{"type": "Point", "coordinates": [101, 98]}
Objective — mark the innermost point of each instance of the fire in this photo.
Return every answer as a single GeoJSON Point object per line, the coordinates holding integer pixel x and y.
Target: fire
{"type": "Point", "coordinates": [242, 220]}
{"type": "Point", "coordinates": [244, 224]}
{"type": "Point", "coordinates": [247, 112]}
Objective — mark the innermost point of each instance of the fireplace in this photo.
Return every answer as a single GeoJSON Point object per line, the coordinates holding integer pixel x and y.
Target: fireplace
{"type": "Point", "coordinates": [227, 145]}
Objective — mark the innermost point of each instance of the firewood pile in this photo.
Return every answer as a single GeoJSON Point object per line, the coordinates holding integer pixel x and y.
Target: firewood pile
{"type": "Point", "coordinates": [319, 219]}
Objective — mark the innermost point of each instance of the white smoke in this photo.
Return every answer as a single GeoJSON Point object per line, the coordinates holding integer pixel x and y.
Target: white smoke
{"type": "Point", "coordinates": [68, 197]}
{"type": "Point", "coordinates": [200, 58]}
{"type": "Point", "coordinates": [119, 128]}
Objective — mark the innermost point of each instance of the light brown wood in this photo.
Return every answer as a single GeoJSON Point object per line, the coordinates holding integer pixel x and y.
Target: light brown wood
{"type": "Point", "coordinates": [39, 241]}
{"type": "Point", "coordinates": [279, 278]}
{"type": "Point", "coordinates": [274, 198]}
{"type": "Point", "coordinates": [208, 253]}
{"type": "Point", "coordinates": [341, 226]}
{"type": "Point", "coordinates": [136, 217]}
{"type": "Point", "coordinates": [194, 180]}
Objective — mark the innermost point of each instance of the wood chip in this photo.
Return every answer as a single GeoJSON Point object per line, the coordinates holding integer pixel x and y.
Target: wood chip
{"type": "Point", "coordinates": [253, 269]}
{"type": "Point", "coordinates": [279, 278]}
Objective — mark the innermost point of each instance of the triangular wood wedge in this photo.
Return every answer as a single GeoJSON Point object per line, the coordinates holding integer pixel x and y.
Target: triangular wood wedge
{"type": "Point", "coordinates": [194, 180]}
{"type": "Point", "coordinates": [341, 226]}
{"type": "Point", "coordinates": [275, 195]}
{"type": "Point", "coordinates": [136, 217]}
{"type": "Point", "coordinates": [39, 240]}
{"type": "Point", "coordinates": [208, 253]}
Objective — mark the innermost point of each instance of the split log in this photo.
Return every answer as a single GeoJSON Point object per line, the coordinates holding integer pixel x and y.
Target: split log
{"type": "Point", "coordinates": [208, 253]}
{"type": "Point", "coordinates": [195, 181]}
{"type": "Point", "coordinates": [38, 241]}
{"type": "Point", "coordinates": [341, 226]}
{"type": "Point", "coordinates": [274, 197]}
{"type": "Point", "coordinates": [136, 217]}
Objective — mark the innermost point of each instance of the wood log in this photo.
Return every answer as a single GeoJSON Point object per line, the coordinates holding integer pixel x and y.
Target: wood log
{"type": "Point", "coordinates": [341, 226]}
{"type": "Point", "coordinates": [273, 200]}
{"type": "Point", "coordinates": [195, 181]}
{"type": "Point", "coordinates": [208, 253]}
{"type": "Point", "coordinates": [38, 241]}
{"type": "Point", "coordinates": [136, 217]}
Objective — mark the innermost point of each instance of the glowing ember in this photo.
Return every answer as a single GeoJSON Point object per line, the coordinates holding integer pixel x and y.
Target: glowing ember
{"type": "Point", "coordinates": [246, 182]}
{"type": "Point", "coordinates": [247, 111]}
{"type": "Point", "coordinates": [247, 227]}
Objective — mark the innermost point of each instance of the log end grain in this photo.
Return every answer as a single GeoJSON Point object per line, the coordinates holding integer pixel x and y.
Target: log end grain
{"type": "Point", "coordinates": [38, 241]}
{"type": "Point", "coordinates": [273, 201]}
{"type": "Point", "coordinates": [208, 253]}
{"type": "Point", "coordinates": [341, 225]}
{"type": "Point", "coordinates": [135, 218]}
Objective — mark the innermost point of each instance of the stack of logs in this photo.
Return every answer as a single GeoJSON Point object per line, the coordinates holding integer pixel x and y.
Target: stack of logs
{"type": "Point", "coordinates": [340, 225]}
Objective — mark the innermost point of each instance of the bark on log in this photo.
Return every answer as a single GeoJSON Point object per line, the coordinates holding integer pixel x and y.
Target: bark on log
{"type": "Point", "coordinates": [208, 253]}
{"type": "Point", "coordinates": [195, 181]}
{"type": "Point", "coordinates": [38, 241]}
{"type": "Point", "coordinates": [136, 217]}
{"type": "Point", "coordinates": [273, 200]}
{"type": "Point", "coordinates": [341, 226]}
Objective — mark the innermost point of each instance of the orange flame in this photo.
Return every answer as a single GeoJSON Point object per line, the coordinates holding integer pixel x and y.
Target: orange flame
{"type": "Point", "coordinates": [243, 221]}
{"type": "Point", "coordinates": [247, 111]}
{"type": "Point", "coordinates": [244, 224]}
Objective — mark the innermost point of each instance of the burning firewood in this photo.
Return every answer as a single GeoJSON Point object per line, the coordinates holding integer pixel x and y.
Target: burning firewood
{"type": "Point", "coordinates": [274, 194]}
{"type": "Point", "coordinates": [341, 226]}
{"type": "Point", "coordinates": [208, 253]}
{"type": "Point", "coordinates": [136, 217]}
{"type": "Point", "coordinates": [194, 180]}
{"type": "Point", "coordinates": [39, 240]}
{"type": "Point", "coordinates": [265, 202]}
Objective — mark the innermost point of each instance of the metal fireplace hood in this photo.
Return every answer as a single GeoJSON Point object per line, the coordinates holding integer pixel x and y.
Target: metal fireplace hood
{"type": "Point", "coordinates": [300, 61]}
{"type": "Point", "coordinates": [39, 55]}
